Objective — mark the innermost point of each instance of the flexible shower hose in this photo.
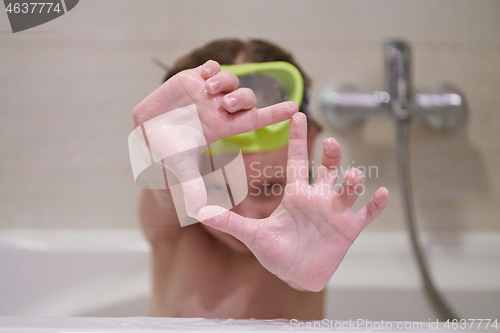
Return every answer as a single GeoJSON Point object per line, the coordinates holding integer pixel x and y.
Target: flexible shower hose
{"type": "Point", "coordinates": [443, 310]}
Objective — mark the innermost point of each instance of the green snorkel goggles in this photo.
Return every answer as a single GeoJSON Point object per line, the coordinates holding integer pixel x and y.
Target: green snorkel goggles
{"type": "Point", "coordinates": [272, 82]}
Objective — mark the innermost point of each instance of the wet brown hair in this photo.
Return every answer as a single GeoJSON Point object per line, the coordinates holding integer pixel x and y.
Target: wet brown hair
{"type": "Point", "coordinates": [225, 51]}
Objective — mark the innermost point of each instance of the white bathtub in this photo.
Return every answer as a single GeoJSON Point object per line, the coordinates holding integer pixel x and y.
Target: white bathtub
{"type": "Point", "coordinates": [105, 273]}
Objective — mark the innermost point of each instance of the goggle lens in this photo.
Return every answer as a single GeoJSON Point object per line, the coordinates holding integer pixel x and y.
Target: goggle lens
{"type": "Point", "coordinates": [267, 90]}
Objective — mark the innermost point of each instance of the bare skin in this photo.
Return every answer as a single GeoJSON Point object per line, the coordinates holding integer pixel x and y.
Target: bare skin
{"type": "Point", "coordinates": [272, 255]}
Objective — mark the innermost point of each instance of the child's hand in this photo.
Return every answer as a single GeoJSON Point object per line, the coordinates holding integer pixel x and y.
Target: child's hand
{"type": "Point", "coordinates": [223, 110]}
{"type": "Point", "coordinates": [306, 238]}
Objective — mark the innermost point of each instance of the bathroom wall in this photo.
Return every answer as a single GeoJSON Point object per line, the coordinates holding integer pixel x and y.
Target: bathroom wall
{"type": "Point", "coordinates": [68, 88]}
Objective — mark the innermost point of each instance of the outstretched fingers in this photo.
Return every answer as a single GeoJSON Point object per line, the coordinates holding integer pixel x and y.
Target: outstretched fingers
{"type": "Point", "coordinates": [351, 189]}
{"type": "Point", "coordinates": [298, 163]}
{"type": "Point", "coordinates": [246, 121]}
{"type": "Point", "coordinates": [372, 209]}
{"type": "Point", "coordinates": [330, 164]}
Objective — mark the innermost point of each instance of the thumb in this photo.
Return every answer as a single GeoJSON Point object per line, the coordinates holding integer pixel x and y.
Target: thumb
{"type": "Point", "coordinates": [244, 229]}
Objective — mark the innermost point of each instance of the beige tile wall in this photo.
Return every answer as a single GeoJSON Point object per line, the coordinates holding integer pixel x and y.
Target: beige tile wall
{"type": "Point", "coordinates": [68, 87]}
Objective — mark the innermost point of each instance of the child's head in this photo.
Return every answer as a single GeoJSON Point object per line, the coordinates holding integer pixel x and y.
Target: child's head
{"type": "Point", "coordinates": [266, 171]}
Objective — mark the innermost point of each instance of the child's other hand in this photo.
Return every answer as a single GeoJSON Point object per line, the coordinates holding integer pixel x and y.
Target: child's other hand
{"type": "Point", "coordinates": [224, 110]}
{"type": "Point", "coordinates": [307, 236]}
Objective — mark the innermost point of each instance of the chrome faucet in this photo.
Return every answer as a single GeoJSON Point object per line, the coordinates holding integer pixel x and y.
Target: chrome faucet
{"type": "Point", "coordinates": [443, 109]}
